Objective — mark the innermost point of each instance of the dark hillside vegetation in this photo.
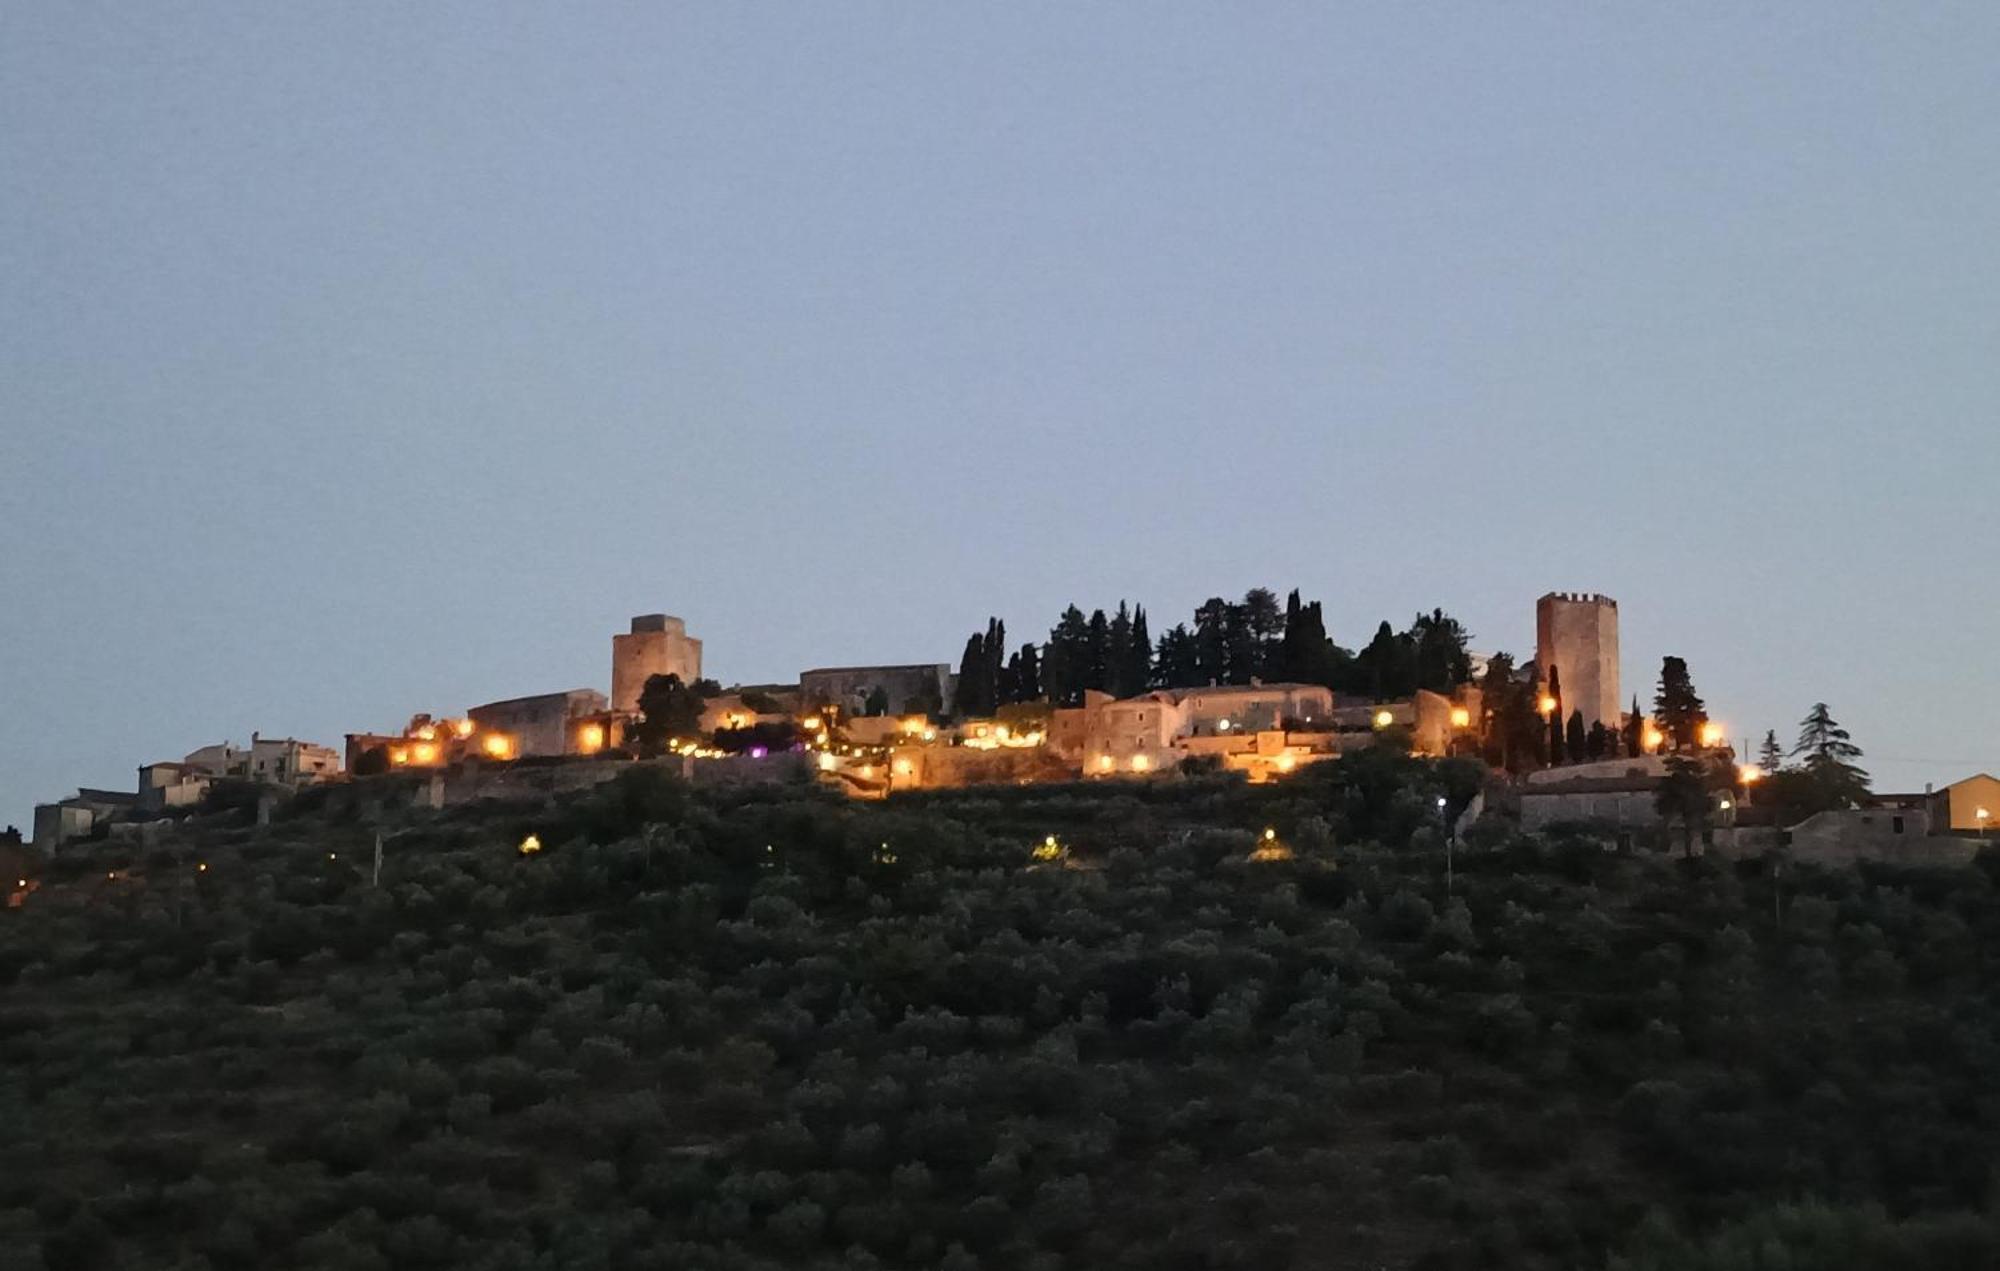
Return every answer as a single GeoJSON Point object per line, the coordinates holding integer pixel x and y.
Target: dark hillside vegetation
{"type": "Point", "coordinates": [765, 1028]}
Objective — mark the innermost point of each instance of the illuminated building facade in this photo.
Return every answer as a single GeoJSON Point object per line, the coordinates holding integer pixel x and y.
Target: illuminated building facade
{"type": "Point", "coordinates": [1577, 634]}
{"type": "Point", "coordinates": [658, 644]}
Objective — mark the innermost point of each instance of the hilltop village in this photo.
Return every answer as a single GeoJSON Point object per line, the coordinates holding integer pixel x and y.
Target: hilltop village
{"type": "Point", "coordinates": [1099, 701]}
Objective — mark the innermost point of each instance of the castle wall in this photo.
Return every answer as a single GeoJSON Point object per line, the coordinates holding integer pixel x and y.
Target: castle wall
{"type": "Point", "coordinates": [1578, 635]}
{"type": "Point", "coordinates": [544, 725]}
{"type": "Point", "coordinates": [849, 686]}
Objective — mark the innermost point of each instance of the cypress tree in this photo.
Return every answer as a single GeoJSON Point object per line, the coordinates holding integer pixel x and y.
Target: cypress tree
{"type": "Point", "coordinates": [1678, 707]}
{"type": "Point", "coordinates": [1576, 739]}
{"type": "Point", "coordinates": [1117, 654]}
{"type": "Point", "coordinates": [1097, 652]}
{"type": "Point", "coordinates": [1635, 730]}
{"type": "Point", "coordinates": [1138, 654]}
{"type": "Point", "coordinates": [1556, 744]}
{"type": "Point", "coordinates": [970, 700]}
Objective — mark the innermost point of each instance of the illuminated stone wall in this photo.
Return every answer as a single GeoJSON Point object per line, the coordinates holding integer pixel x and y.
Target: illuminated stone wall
{"type": "Point", "coordinates": [658, 644]}
{"type": "Point", "coordinates": [1578, 635]}
{"type": "Point", "coordinates": [543, 725]}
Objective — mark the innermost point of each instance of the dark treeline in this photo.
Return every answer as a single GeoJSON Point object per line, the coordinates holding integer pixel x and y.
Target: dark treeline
{"type": "Point", "coordinates": [1227, 642]}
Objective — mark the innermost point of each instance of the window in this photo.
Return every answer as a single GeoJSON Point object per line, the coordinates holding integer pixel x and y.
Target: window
{"type": "Point", "coordinates": [1896, 824]}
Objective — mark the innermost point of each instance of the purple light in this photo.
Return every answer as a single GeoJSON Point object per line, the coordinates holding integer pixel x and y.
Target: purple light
{"type": "Point", "coordinates": [758, 752]}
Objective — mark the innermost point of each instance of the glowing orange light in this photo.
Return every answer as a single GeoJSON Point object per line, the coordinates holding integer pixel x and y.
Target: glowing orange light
{"type": "Point", "coordinates": [202, 868]}
{"type": "Point", "coordinates": [1141, 763]}
{"type": "Point", "coordinates": [590, 738]}
{"type": "Point", "coordinates": [427, 733]}
{"type": "Point", "coordinates": [425, 752]}
{"type": "Point", "coordinates": [827, 763]}
{"type": "Point", "coordinates": [1546, 704]}
{"type": "Point", "coordinates": [1105, 763]}
{"type": "Point", "coordinates": [462, 727]}
{"type": "Point", "coordinates": [399, 756]}
{"type": "Point", "coordinates": [1650, 738]}
{"type": "Point", "coordinates": [530, 845]}
{"type": "Point", "coordinates": [903, 767]}
{"type": "Point", "coordinates": [1750, 773]}
{"type": "Point", "coordinates": [1286, 763]}
{"type": "Point", "coordinates": [812, 723]}
{"type": "Point", "coordinates": [1383, 719]}
{"type": "Point", "coordinates": [498, 745]}
{"type": "Point", "coordinates": [1711, 734]}
{"type": "Point", "coordinates": [1461, 717]}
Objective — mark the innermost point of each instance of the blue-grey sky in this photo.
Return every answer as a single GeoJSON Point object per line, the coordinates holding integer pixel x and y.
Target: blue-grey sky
{"type": "Point", "coordinates": [358, 360]}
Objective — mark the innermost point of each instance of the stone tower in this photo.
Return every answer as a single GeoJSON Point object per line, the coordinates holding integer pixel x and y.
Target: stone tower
{"type": "Point", "coordinates": [658, 645]}
{"type": "Point", "coordinates": [1578, 635]}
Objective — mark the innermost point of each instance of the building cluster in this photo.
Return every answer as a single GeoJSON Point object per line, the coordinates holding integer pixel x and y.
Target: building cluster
{"type": "Point", "coordinates": [875, 730]}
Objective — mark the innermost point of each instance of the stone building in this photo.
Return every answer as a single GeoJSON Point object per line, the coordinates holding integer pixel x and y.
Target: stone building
{"type": "Point", "coordinates": [570, 723]}
{"type": "Point", "coordinates": [79, 816]}
{"type": "Point", "coordinates": [1578, 635]}
{"type": "Point", "coordinates": [849, 687]}
{"type": "Point", "coordinates": [291, 762]}
{"type": "Point", "coordinates": [280, 760]}
{"type": "Point", "coordinates": [171, 785]}
{"type": "Point", "coordinates": [1957, 808]}
{"type": "Point", "coordinates": [658, 644]}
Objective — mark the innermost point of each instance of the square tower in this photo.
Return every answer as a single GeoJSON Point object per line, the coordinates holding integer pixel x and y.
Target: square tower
{"type": "Point", "coordinates": [1578, 635]}
{"type": "Point", "coordinates": [657, 645]}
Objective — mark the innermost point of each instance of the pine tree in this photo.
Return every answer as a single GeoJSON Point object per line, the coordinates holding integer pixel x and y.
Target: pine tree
{"type": "Point", "coordinates": [1064, 658]}
{"type": "Point", "coordinates": [1385, 668]}
{"type": "Point", "coordinates": [1599, 744]}
{"type": "Point", "coordinates": [1829, 754]}
{"type": "Point", "coordinates": [1211, 641]}
{"type": "Point", "coordinates": [1677, 706]}
{"type": "Point", "coordinates": [1771, 755]}
{"type": "Point", "coordinates": [1576, 740]}
{"type": "Point", "coordinates": [1263, 625]}
{"type": "Point", "coordinates": [1683, 796]}
{"type": "Point", "coordinates": [1178, 664]}
{"type": "Point", "coordinates": [1438, 653]}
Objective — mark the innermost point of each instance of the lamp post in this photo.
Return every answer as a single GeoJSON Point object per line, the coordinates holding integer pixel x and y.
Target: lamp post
{"type": "Point", "coordinates": [1981, 815]}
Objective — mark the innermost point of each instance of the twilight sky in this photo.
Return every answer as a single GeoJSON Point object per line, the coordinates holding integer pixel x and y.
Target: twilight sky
{"type": "Point", "coordinates": [358, 360]}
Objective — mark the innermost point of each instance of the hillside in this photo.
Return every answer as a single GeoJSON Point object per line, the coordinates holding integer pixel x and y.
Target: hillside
{"type": "Point", "coordinates": [766, 1029]}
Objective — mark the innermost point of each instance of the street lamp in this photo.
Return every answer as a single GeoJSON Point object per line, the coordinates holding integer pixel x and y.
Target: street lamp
{"type": "Point", "coordinates": [1981, 815]}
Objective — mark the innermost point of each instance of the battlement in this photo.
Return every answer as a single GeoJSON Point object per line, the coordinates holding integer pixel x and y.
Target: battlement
{"type": "Point", "coordinates": [1582, 598]}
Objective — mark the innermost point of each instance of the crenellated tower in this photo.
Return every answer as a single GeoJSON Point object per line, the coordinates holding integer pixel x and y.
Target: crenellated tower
{"type": "Point", "coordinates": [1578, 634]}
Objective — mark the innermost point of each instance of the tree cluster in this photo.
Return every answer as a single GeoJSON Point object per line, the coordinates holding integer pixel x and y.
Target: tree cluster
{"type": "Point", "coordinates": [1226, 642]}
